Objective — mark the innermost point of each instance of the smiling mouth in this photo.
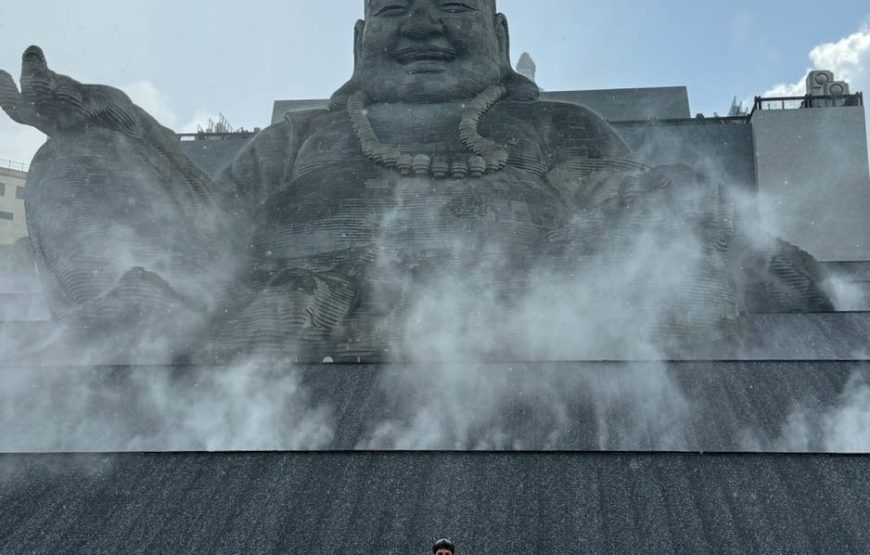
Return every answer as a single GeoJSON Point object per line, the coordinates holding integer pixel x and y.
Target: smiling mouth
{"type": "Point", "coordinates": [410, 55]}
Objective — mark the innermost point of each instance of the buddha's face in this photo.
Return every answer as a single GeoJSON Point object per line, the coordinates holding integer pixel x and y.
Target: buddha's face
{"type": "Point", "coordinates": [430, 50]}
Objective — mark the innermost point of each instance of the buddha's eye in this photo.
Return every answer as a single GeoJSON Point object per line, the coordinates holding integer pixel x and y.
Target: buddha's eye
{"type": "Point", "coordinates": [456, 7]}
{"type": "Point", "coordinates": [392, 10]}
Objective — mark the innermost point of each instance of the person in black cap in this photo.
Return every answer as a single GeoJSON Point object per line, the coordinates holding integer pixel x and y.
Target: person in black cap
{"type": "Point", "coordinates": [444, 547]}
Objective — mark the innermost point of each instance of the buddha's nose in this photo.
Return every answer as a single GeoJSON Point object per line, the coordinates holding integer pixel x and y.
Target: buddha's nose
{"type": "Point", "coordinates": [421, 24]}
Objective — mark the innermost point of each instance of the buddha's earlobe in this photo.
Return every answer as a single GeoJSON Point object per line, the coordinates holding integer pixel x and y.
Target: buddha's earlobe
{"type": "Point", "coordinates": [358, 34]}
{"type": "Point", "coordinates": [502, 32]}
{"type": "Point", "coordinates": [339, 97]}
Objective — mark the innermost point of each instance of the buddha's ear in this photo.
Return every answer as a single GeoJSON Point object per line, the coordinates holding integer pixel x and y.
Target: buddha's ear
{"type": "Point", "coordinates": [339, 97]}
{"type": "Point", "coordinates": [504, 38]}
{"type": "Point", "coordinates": [518, 86]}
{"type": "Point", "coordinates": [358, 33]}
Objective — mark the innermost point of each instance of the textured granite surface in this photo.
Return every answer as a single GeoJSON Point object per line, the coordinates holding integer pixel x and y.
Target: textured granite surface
{"type": "Point", "coordinates": [398, 503]}
{"type": "Point", "coordinates": [723, 149]}
{"type": "Point", "coordinates": [611, 104]}
{"type": "Point", "coordinates": [213, 155]}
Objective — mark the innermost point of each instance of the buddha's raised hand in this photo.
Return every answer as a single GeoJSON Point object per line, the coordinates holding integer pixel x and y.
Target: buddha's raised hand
{"type": "Point", "coordinates": [55, 103]}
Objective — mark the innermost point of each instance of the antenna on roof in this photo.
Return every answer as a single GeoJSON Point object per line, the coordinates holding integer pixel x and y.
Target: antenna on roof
{"type": "Point", "coordinates": [737, 109]}
{"type": "Point", "coordinates": [222, 125]}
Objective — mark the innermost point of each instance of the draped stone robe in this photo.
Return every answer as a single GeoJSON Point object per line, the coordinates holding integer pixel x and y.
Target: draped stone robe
{"type": "Point", "coordinates": [307, 248]}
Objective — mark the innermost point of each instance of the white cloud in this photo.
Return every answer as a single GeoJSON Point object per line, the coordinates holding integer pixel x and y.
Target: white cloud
{"type": "Point", "coordinates": [157, 103]}
{"type": "Point", "coordinates": [199, 119]}
{"type": "Point", "coordinates": [154, 101]}
{"type": "Point", "coordinates": [848, 58]}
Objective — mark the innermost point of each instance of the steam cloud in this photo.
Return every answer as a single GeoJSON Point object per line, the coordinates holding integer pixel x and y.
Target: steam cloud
{"type": "Point", "coordinates": [255, 405]}
{"type": "Point", "coordinates": [594, 308]}
{"type": "Point", "coordinates": [843, 427]}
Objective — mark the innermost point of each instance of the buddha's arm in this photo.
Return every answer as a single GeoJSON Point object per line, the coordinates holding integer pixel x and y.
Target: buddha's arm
{"type": "Point", "coordinates": [589, 161]}
{"type": "Point", "coordinates": [58, 105]}
{"type": "Point", "coordinates": [260, 170]}
{"type": "Point", "coordinates": [123, 225]}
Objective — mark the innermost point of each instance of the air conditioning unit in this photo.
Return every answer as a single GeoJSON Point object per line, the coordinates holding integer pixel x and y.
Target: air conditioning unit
{"type": "Point", "coordinates": [818, 82]}
{"type": "Point", "coordinates": [837, 88]}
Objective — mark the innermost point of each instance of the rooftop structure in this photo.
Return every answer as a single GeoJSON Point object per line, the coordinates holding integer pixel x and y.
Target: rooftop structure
{"type": "Point", "coordinates": [526, 67]}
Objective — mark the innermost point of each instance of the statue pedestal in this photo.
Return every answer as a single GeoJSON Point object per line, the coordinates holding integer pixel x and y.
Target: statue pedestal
{"type": "Point", "coordinates": [707, 406]}
{"type": "Point", "coordinates": [400, 502]}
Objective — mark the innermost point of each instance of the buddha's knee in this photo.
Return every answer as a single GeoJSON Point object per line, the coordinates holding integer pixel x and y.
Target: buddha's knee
{"type": "Point", "coordinates": [98, 204]}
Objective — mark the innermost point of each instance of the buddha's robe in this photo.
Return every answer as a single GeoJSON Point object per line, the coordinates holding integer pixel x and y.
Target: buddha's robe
{"type": "Point", "coordinates": [358, 242]}
{"type": "Point", "coordinates": [306, 246]}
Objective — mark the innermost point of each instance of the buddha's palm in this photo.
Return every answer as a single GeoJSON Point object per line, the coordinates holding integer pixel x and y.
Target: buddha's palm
{"type": "Point", "coordinates": [54, 103]}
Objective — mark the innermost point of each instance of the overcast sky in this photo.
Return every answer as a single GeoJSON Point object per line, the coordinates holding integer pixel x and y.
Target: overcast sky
{"type": "Point", "coordinates": [185, 60]}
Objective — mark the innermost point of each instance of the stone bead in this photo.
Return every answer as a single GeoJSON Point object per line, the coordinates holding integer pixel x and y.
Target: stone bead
{"type": "Point", "coordinates": [496, 160]}
{"type": "Point", "coordinates": [459, 169]}
{"type": "Point", "coordinates": [404, 164]}
{"type": "Point", "coordinates": [391, 157]}
{"type": "Point", "coordinates": [440, 167]}
{"type": "Point", "coordinates": [421, 164]}
{"type": "Point", "coordinates": [476, 166]}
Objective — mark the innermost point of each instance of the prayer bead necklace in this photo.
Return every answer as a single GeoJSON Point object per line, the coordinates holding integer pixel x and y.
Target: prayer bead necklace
{"type": "Point", "coordinates": [487, 156]}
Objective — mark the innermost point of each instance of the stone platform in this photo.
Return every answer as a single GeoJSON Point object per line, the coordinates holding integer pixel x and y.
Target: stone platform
{"type": "Point", "coordinates": [761, 451]}
{"type": "Point", "coordinates": [399, 503]}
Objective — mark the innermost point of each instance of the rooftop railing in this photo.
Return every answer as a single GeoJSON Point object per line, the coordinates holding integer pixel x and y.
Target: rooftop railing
{"type": "Point", "coordinates": [808, 101]}
{"type": "Point", "coordinates": [13, 165]}
{"type": "Point", "coordinates": [204, 136]}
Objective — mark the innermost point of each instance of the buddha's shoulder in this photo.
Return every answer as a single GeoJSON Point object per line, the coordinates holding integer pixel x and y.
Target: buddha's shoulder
{"type": "Point", "coordinates": [562, 125]}
{"type": "Point", "coordinates": [547, 114]}
{"type": "Point", "coordinates": [299, 123]}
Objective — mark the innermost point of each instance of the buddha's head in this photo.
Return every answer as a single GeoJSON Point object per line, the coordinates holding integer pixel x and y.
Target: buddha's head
{"type": "Point", "coordinates": [432, 51]}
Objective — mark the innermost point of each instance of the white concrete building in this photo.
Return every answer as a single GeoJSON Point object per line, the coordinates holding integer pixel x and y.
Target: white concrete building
{"type": "Point", "coordinates": [13, 176]}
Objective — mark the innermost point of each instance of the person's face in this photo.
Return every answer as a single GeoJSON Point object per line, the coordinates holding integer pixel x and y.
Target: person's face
{"type": "Point", "coordinates": [443, 552]}
{"type": "Point", "coordinates": [429, 50]}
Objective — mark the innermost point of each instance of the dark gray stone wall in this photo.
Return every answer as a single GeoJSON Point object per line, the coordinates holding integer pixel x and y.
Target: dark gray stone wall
{"type": "Point", "coordinates": [813, 179]}
{"type": "Point", "coordinates": [213, 155]}
{"type": "Point", "coordinates": [281, 107]}
{"type": "Point", "coordinates": [560, 503]}
{"type": "Point", "coordinates": [611, 104]}
{"type": "Point", "coordinates": [721, 148]}
{"type": "Point", "coordinates": [629, 104]}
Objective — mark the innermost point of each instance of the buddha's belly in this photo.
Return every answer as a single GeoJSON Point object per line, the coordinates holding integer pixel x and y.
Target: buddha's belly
{"type": "Point", "coordinates": [506, 215]}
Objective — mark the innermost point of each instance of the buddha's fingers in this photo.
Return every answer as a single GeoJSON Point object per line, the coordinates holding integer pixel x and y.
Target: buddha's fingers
{"type": "Point", "coordinates": [13, 103]}
{"type": "Point", "coordinates": [33, 105]}
{"type": "Point", "coordinates": [49, 101]}
{"type": "Point", "coordinates": [9, 94]}
{"type": "Point", "coordinates": [33, 63]}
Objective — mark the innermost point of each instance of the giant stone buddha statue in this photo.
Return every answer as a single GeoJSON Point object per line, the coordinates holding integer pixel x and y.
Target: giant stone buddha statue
{"type": "Point", "coordinates": [435, 167]}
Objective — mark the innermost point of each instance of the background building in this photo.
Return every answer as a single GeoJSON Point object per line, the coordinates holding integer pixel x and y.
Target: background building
{"type": "Point", "coordinates": [13, 176]}
{"type": "Point", "coordinates": [526, 67]}
{"type": "Point", "coordinates": [21, 296]}
{"type": "Point", "coordinates": [812, 171]}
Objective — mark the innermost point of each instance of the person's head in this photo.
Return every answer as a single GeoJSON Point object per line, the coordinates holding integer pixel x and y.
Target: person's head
{"type": "Point", "coordinates": [432, 51]}
{"type": "Point", "coordinates": [444, 547]}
